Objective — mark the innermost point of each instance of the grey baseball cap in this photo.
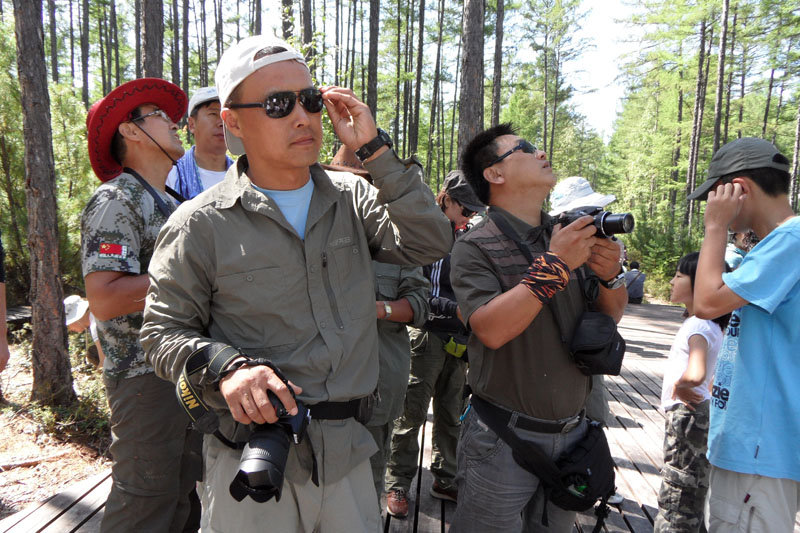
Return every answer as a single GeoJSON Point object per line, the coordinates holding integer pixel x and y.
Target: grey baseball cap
{"type": "Point", "coordinates": [201, 96]}
{"type": "Point", "coordinates": [742, 154]}
{"type": "Point", "coordinates": [457, 187]}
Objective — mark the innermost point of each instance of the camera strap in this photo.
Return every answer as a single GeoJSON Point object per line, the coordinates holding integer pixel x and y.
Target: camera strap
{"type": "Point", "coordinates": [162, 206]}
{"type": "Point", "coordinates": [214, 357]}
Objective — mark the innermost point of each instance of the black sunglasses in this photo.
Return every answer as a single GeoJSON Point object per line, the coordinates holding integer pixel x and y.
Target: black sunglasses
{"type": "Point", "coordinates": [281, 104]}
{"type": "Point", "coordinates": [523, 145]}
{"type": "Point", "coordinates": [467, 212]}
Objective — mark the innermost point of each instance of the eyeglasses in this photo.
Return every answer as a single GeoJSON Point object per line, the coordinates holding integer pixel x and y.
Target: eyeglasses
{"type": "Point", "coordinates": [523, 145]}
{"type": "Point", "coordinates": [467, 212]}
{"type": "Point", "coordinates": [157, 112]}
{"type": "Point", "coordinates": [281, 104]}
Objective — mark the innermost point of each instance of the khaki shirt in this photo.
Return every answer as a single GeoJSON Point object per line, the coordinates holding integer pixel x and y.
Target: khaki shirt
{"type": "Point", "coordinates": [119, 227]}
{"type": "Point", "coordinates": [229, 268]}
{"type": "Point", "coordinates": [532, 373]}
{"type": "Point", "coordinates": [393, 282]}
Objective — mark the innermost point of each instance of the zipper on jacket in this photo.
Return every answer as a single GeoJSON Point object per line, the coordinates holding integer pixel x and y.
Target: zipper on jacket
{"type": "Point", "coordinates": [326, 278]}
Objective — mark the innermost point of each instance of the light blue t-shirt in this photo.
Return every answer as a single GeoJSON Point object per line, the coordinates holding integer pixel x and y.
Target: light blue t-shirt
{"type": "Point", "coordinates": [761, 429]}
{"type": "Point", "coordinates": [293, 204]}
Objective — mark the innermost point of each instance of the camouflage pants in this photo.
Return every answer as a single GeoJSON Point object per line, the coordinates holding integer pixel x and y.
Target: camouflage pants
{"type": "Point", "coordinates": [684, 478]}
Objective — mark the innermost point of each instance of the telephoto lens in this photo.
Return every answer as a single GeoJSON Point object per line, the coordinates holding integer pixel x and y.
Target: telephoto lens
{"type": "Point", "coordinates": [613, 223]}
{"type": "Point", "coordinates": [261, 467]}
{"type": "Point", "coordinates": [263, 461]}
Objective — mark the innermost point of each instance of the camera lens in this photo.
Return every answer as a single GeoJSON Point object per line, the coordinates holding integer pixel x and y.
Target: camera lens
{"type": "Point", "coordinates": [613, 223]}
{"type": "Point", "coordinates": [261, 467]}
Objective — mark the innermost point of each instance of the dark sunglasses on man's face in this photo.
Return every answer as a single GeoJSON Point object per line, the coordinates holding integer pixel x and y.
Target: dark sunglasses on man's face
{"type": "Point", "coordinates": [523, 145]}
{"type": "Point", "coordinates": [281, 104]}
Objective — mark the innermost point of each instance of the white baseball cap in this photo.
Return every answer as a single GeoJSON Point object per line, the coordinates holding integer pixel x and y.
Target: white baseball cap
{"type": "Point", "coordinates": [241, 60]}
{"type": "Point", "coordinates": [201, 96]}
{"type": "Point", "coordinates": [574, 192]}
{"type": "Point", "coordinates": [74, 308]}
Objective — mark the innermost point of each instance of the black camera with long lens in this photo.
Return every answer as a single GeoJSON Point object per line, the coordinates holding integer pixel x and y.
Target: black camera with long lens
{"type": "Point", "coordinates": [606, 222]}
{"type": "Point", "coordinates": [263, 461]}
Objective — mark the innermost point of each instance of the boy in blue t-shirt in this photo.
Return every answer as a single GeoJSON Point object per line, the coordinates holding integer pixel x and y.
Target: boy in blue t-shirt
{"type": "Point", "coordinates": [754, 451]}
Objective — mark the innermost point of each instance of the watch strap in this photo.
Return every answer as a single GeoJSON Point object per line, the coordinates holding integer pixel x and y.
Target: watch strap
{"type": "Point", "coordinates": [368, 149]}
{"type": "Point", "coordinates": [387, 309]}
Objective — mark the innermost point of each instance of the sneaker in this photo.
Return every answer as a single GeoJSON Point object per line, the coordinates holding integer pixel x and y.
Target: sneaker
{"type": "Point", "coordinates": [397, 503]}
{"type": "Point", "coordinates": [449, 494]}
{"type": "Point", "coordinates": [616, 498]}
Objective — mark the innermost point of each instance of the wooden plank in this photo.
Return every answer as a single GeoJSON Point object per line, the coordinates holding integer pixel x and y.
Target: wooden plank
{"type": "Point", "coordinates": [627, 446]}
{"type": "Point", "coordinates": [648, 449]}
{"type": "Point", "coordinates": [652, 433]}
{"type": "Point", "coordinates": [83, 510]}
{"type": "Point", "coordinates": [54, 507]}
{"type": "Point", "coordinates": [93, 524]}
{"type": "Point", "coordinates": [635, 518]}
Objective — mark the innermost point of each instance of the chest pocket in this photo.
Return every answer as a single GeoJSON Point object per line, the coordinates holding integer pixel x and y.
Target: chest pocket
{"type": "Point", "coordinates": [254, 310]}
{"type": "Point", "coordinates": [387, 279]}
{"type": "Point", "coordinates": [355, 287]}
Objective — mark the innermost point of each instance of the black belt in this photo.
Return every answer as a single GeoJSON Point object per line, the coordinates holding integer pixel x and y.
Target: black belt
{"type": "Point", "coordinates": [503, 416]}
{"type": "Point", "coordinates": [334, 410]}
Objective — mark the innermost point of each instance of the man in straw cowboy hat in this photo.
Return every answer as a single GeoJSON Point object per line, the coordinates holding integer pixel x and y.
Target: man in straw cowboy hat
{"type": "Point", "coordinates": [270, 273]}
{"type": "Point", "coordinates": [133, 143]}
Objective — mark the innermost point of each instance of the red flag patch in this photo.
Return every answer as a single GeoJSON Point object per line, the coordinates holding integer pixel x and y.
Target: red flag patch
{"type": "Point", "coordinates": [118, 251]}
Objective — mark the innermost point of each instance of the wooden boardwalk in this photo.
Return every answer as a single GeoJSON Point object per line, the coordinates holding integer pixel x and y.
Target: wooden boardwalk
{"type": "Point", "coordinates": [635, 437]}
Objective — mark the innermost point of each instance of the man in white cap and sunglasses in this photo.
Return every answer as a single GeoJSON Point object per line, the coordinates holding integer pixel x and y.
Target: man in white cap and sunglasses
{"type": "Point", "coordinates": [269, 277]}
{"type": "Point", "coordinates": [204, 164]}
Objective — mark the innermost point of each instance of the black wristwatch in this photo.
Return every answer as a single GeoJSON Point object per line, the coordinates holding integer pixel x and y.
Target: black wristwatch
{"type": "Point", "coordinates": [615, 283]}
{"type": "Point", "coordinates": [366, 151]}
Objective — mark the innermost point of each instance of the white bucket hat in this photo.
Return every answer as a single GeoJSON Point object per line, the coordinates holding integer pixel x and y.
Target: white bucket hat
{"type": "Point", "coordinates": [574, 192]}
{"type": "Point", "coordinates": [74, 308]}
{"type": "Point", "coordinates": [241, 60]}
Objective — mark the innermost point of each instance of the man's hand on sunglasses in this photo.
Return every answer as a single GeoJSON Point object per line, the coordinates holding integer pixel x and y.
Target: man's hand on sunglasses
{"type": "Point", "coordinates": [351, 118]}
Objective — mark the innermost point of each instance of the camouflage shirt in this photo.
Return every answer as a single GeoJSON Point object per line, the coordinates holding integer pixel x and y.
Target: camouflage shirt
{"type": "Point", "coordinates": [119, 227]}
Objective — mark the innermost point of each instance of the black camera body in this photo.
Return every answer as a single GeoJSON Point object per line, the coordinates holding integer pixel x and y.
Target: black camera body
{"type": "Point", "coordinates": [607, 223]}
{"type": "Point", "coordinates": [263, 461]}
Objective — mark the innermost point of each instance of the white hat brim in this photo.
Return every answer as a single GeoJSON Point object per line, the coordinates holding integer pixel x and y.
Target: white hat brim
{"type": "Point", "coordinates": [593, 200]}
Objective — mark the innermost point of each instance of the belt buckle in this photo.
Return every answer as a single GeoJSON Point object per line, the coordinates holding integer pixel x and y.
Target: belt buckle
{"type": "Point", "coordinates": [572, 424]}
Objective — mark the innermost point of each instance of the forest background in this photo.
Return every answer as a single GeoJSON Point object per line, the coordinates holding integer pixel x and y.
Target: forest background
{"type": "Point", "coordinates": [434, 73]}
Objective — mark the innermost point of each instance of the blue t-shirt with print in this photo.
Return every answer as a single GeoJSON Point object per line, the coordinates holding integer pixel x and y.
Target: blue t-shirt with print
{"type": "Point", "coordinates": [761, 430]}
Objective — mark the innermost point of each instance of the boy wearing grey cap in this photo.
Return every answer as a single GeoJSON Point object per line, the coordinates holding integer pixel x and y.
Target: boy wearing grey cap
{"type": "Point", "coordinates": [755, 475]}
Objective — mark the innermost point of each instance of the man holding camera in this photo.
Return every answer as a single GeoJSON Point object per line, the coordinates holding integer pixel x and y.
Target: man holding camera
{"type": "Point", "coordinates": [520, 313]}
{"type": "Point", "coordinates": [270, 274]}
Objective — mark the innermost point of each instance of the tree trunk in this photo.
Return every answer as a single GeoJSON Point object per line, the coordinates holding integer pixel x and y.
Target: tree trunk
{"type": "Point", "coordinates": [498, 63]}
{"type": "Point", "coordinates": [218, 28]}
{"type": "Point", "coordinates": [185, 47]}
{"type": "Point", "coordinates": [138, 32]}
{"type": "Point", "coordinates": [729, 85]}
{"type": "Point", "coordinates": [766, 107]}
{"type": "Point", "coordinates": [720, 75]}
{"type": "Point", "coordinates": [470, 110]}
{"type": "Point", "coordinates": [102, 42]}
{"type": "Point", "coordinates": [397, 81]}
{"type": "Point", "coordinates": [85, 53]}
{"type": "Point", "coordinates": [793, 190]}
{"type": "Point", "coordinates": [71, 44]}
{"type": "Point", "coordinates": [372, 67]}
{"type": "Point", "coordinates": [436, 97]}
{"type": "Point", "coordinates": [51, 7]}
{"type": "Point", "coordinates": [176, 41]}
{"type": "Point", "coordinates": [741, 91]}
{"type": "Point", "coordinates": [287, 23]}
{"type": "Point", "coordinates": [455, 97]}
{"type": "Point", "coordinates": [413, 137]}
{"type": "Point", "coordinates": [410, 14]}
{"type": "Point", "coordinates": [546, 93]}
{"type": "Point", "coordinates": [153, 37]}
{"type": "Point", "coordinates": [694, 141]}
{"type": "Point", "coordinates": [557, 74]}
{"type": "Point", "coordinates": [115, 30]}
{"type": "Point", "coordinates": [353, 21]}
{"type": "Point", "coordinates": [52, 377]}
{"type": "Point", "coordinates": [308, 34]}
{"type": "Point", "coordinates": [203, 45]}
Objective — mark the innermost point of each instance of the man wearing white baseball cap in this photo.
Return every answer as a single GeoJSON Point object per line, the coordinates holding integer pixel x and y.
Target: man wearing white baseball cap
{"type": "Point", "coordinates": [268, 276]}
{"type": "Point", "coordinates": [204, 164]}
